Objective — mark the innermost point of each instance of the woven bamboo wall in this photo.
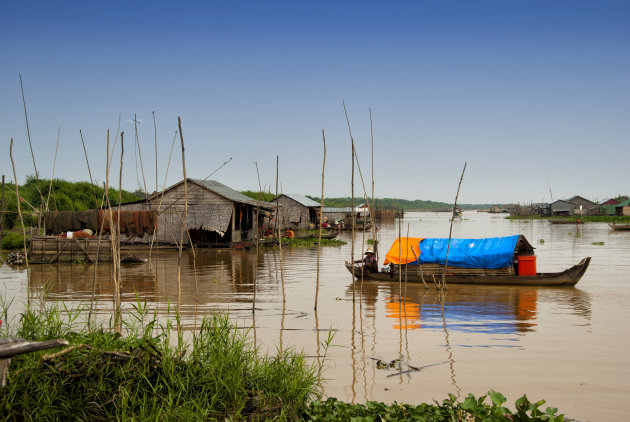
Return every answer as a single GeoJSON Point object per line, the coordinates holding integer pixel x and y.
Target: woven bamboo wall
{"type": "Point", "coordinates": [48, 249]}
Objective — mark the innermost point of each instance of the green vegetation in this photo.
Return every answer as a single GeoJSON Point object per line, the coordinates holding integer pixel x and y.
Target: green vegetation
{"type": "Point", "coordinates": [12, 241]}
{"type": "Point", "coordinates": [471, 409]}
{"type": "Point", "coordinates": [64, 196]}
{"type": "Point", "coordinates": [310, 242]}
{"type": "Point", "coordinates": [395, 203]}
{"type": "Point", "coordinates": [598, 243]}
{"type": "Point", "coordinates": [142, 376]}
{"type": "Point", "coordinates": [260, 196]}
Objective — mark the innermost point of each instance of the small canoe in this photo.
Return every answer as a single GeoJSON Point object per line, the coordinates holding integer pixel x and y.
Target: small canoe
{"type": "Point", "coordinates": [568, 277]}
{"type": "Point", "coordinates": [326, 234]}
{"type": "Point", "coordinates": [620, 226]}
{"type": "Point", "coordinates": [565, 221]}
{"type": "Point", "coordinates": [359, 227]}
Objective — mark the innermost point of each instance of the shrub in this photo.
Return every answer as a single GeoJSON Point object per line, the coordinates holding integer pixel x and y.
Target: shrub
{"type": "Point", "coordinates": [12, 241]}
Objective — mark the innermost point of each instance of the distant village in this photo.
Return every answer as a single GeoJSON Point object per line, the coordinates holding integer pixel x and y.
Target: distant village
{"type": "Point", "coordinates": [574, 206]}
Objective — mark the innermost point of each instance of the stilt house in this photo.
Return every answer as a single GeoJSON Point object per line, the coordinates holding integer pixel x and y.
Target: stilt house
{"type": "Point", "coordinates": [218, 216]}
{"type": "Point", "coordinates": [297, 211]}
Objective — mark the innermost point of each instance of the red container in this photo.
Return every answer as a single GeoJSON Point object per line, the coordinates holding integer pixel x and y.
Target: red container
{"type": "Point", "coordinates": [526, 264]}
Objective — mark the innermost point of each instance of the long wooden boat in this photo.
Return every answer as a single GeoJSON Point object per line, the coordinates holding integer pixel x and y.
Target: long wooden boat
{"type": "Point", "coordinates": [564, 221]}
{"type": "Point", "coordinates": [326, 234]}
{"type": "Point", "coordinates": [619, 226]}
{"type": "Point", "coordinates": [568, 277]}
{"type": "Point", "coordinates": [359, 227]}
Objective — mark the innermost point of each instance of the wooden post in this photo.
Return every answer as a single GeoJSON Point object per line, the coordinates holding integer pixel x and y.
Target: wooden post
{"type": "Point", "coordinates": [284, 298]}
{"type": "Point", "coordinates": [450, 232]}
{"type": "Point", "coordinates": [17, 197]}
{"type": "Point", "coordinates": [2, 211]}
{"type": "Point", "coordinates": [352, 219]}
{"type": "Point", "coordinates": [181, 235]}
{"type": "Point", "coordinates": [321, 218]}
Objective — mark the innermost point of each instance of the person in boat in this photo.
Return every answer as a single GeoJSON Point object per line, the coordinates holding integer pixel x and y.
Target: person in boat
{"type": "Point", "coordinates": [369, 262]}
{"type": "Point", "coordinates": [289, 233]}
{"type": "Point", "coordinates": [325, 223]}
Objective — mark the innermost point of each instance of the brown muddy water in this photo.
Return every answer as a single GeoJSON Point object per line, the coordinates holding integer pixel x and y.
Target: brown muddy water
{"type": "Point", "coordinates": [570, 346]}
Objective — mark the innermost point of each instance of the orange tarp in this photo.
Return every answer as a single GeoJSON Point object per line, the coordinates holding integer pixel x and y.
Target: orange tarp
{"type": "Point", "coordinates": [408, 247]}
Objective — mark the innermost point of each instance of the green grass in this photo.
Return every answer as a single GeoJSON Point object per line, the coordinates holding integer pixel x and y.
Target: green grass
{"type": "Point", "coordinates": [310, 242]}
{"type": "Point", "coordinates": [142, 376]}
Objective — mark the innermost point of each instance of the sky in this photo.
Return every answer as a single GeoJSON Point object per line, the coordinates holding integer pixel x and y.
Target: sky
{"type": "Point", "coordinates": [533, 96]}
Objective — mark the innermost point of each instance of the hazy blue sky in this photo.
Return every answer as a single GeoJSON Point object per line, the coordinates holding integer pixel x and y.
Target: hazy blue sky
{"type": "Point", "coordinates": [511, 87]}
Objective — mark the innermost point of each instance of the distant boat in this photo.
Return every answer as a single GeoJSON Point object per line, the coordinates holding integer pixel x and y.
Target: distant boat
{"type": "Point", "coordinates": [565, 221]}
{"type": "Point", "coordinates": [619, 226]}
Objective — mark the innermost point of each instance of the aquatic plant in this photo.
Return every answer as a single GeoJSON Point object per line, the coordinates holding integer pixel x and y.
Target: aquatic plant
{"type": "Point", "coordinates": [541, 241]}
{"type": "Point", "coordinates": [471, 409]}
{"type": "Point", "coordinates": [598, 243]}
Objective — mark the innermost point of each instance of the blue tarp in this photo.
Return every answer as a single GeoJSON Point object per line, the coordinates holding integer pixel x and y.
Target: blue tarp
{"type": "Point", "coordinates": [492, 252]}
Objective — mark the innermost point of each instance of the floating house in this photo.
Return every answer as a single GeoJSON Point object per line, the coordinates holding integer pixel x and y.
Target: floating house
{"type": "Point", "coordinates": [335, 214]}
{"type": "Point", "coordinates": [608, 206]}
{"type": "Point", "coordinates": [623, 208]}
{"type": "Point", "coordinates": [296, 211]}
{"type": "Point", "coordinates": [562, 208]}
{"type": "Point", "coordinates": [218, 216]}
{"type": "Point", "coordinates": [584, 206]}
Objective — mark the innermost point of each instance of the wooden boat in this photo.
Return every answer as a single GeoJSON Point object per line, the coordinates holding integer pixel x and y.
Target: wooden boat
{"type": "Point", "coordinates": [568, 277]}
{"type": "Point", "coordinates": [619, 226]}
{"type": "Point", "coordinates": [565, 221]}
{"type": "Point", "coordinates": [326, 234]}
{"type": "Point", "coordinates": [359, 227]}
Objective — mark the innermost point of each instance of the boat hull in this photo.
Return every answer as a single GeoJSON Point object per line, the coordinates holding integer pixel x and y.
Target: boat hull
{"type": "Point", "coordinates": [620, 226]}
{"type": "Point", "coordinates": [566, 278]}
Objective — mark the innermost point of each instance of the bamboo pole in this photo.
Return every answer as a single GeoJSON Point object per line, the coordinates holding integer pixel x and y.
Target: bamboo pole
{"type": "Point", "coordinates": [450, 232]}
{"type": "Point", "coordinates": [144, 181]}
{"type": "Point", "coordinates": [118, 275]}
{"type": "Point", "coordinates": [284, 298]}
{"type": "Point", "coordinates": [321, 214]}
{"type": "Point", "coordinates": [17, 196]}
{"type": "Point", "coordinates": [30, 144]}
{"type": "Point", "coordinates": [52, 177]}
{"type": "Point", "coordinates": [89, 171]}
{"type": "Point", "coordinates": [375, 241]}
{"type": "Point", "coordinates": [2, 211]}
{"type": "Point", "coordinates": [351, 205]}
{"type": "Point", "coordinates": [257, 233]}
{"type": "Point", "coordinates": [181, 235]}
{"type": "Point", "coordinates": [399, 256]}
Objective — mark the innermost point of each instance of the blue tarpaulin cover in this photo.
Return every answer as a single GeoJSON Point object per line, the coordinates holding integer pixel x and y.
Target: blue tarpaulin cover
{"type": "Point", "coordinates": [492, 252]}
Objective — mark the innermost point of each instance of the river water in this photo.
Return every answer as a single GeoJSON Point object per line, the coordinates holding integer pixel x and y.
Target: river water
{"type": "Point", "coordinates": [569, 346]}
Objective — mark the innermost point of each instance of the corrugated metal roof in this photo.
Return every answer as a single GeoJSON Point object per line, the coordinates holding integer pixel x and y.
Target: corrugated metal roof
{"type": "Point", "coordinates": [229, 193]}
{"type": "Point", "coordinates": [307, 202]}
{"type": "Point", "coordinates": [331, 209]}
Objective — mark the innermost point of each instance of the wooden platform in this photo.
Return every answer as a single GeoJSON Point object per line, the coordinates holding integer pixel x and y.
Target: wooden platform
{"type": "Point", "coordinates": [48, 249]}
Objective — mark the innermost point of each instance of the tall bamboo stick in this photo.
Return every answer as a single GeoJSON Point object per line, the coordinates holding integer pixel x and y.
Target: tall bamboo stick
{"type": "Point", "coordinates": [450, 232]}
{"type": "Point", "coordinates": [181, 235]}
{"type": "Point", "coordinates": [52, 177]}
{"type": "Point", "coordinates": [2, 211]}
{"type": "Point", "coordinates": [118, 275]}
{"type": "Point", "coordinates": [19, 207]}
{"type": "Point", "coordinates": [284, 298]}
{"type": "Point", "coordinates": [321, 214]}
{"type": "Point", "coordinates": [375, 241]}
{"type": "Point", "coordinates": [257, 233]}
{"type": "Point", "coordinates": [89, 171]}
{"type": "Point", "coordinates": [28, 133]}
{"type": "Point", "coordinates": [351, 204]}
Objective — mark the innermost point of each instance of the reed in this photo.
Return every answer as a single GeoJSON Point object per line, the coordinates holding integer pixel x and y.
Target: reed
{"type": "Point", "coordinates": [139, 375]}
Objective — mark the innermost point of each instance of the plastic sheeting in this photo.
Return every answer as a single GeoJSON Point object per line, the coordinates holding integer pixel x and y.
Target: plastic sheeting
{"type": "Point", "coordinates": [493, 252]}
{"type": "Point", "coordinates": [409, 251]}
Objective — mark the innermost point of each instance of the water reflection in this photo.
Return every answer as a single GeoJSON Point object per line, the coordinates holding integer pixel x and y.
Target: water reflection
{"type": "Point", "coordinates": [510, 326]}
